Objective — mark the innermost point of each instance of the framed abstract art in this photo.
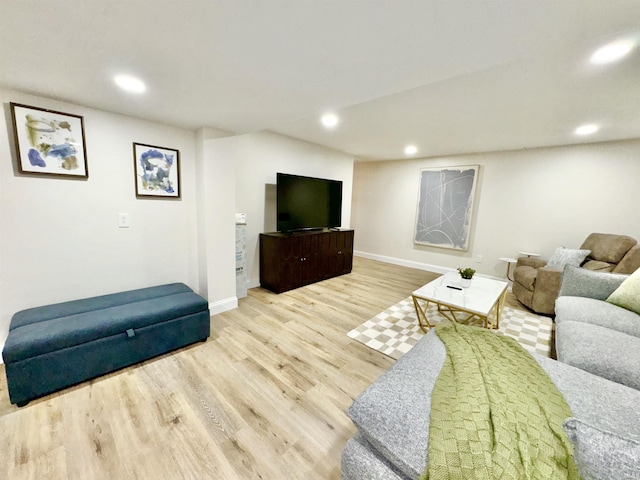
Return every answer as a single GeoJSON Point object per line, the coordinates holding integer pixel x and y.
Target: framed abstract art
{"type": "Point", "coordinates": [157, 171]}
{"type": "Point", "coordinates": [49, 142]}
{"type": "Point", "coordinates": [445, 206]}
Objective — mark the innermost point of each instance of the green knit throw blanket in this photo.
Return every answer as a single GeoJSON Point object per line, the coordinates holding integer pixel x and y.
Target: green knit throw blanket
{"type": "Point", "coordinates": [495, 414]}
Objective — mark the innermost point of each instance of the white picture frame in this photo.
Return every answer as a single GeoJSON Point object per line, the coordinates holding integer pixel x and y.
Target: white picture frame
{"type": "Point", "coordinates": [444, 211]}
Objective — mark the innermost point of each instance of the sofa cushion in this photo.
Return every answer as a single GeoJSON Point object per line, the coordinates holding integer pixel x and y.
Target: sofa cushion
{"type": "Point", "coordinates": [360, 460]}
{"type": "Point", "coordinates": [607, 247]}
{"type": "Point", "coordinates": [597, 312]}
{"type": "Point", "coordinates": [598, 266]}
{"type": "Point", "coordinates": [627, 295]}
{"type": "Point", "coordinates": [393, 413]}
{"type": "Point", "coordinates": [601, 454]}
{"type": "Point", "coordinates": [579, 282]}
{"type": "Point", "coordinates": [75, 307]}
{"type": "Point", "coordinates": [567, 256]}
{"type": "Point", "coordinates": [596, 349]}
{"type": "Point", "coordinates": [594, 399]}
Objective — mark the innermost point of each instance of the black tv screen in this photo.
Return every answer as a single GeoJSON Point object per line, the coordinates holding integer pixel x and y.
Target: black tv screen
{"type": "Point", "coordinates": [306, 203]}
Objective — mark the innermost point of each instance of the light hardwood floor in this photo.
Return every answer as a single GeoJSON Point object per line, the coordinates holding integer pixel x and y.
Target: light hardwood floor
{"type": "Point", "coordinates": [264, 397]}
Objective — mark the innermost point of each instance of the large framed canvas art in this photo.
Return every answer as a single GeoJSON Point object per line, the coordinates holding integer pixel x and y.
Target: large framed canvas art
{"type": "Point", "coordinates": [157, 171]}
{"type": "Point", "coordinates": [445, 206]}
{"type": "Point", "coordinates": [49, 142]}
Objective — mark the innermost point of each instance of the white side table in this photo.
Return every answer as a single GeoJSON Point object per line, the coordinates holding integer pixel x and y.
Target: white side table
{"type": "Point", "coordinates": [529, 254]}
{"type": "Point", "coordinates": [508, 261]}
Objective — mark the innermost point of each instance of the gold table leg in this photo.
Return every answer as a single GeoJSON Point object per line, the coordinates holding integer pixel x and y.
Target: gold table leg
{"type": "Point", "coordinates": [499, 308]}
{"type": "Point", "coordinates": [454, 314]}
{"type": "Point", "coordinates": [421, 313]}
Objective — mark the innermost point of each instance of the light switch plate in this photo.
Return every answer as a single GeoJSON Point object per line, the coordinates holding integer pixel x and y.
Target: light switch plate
{"type": "Point", "coordinates": [123, 220]}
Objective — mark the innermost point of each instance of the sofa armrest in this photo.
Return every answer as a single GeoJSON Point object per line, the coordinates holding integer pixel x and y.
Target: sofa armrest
{"type": "Point", "coordinates": [549, 275]}
{"type": "Point", "coordinates": [547, 286]}
{"type": "Point", "coordinates": [580, 282]}
{"type": "Point", "coordinates": [531, 262]}
{"type": "Point", "coordinates": [630, 262]}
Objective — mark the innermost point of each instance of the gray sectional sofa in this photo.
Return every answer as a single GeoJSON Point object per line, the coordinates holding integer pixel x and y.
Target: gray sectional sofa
{"type": "Point", "coordinates": [392, 415]}
{"type": "Point", "coordinates": [595, 335]}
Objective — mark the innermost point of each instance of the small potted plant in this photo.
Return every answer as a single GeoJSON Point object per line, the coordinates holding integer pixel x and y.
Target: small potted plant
{"type": "Point", "coordinates": [466, 274]}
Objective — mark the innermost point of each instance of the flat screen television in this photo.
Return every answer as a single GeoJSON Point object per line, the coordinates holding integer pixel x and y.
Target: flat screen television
{"type": "Point", "coordinates": [306, 203]}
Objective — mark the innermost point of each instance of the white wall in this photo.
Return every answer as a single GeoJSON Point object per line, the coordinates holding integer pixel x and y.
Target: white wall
{"type": "Point", "coordinates": [59, 239]}
{"type": "Point", "coordinates": [257, 158]}
{"type": "Point", "coordinates": [219, 187]}
{"type": "Point", "coordinates": [215, 193]}
{"type": "Point", "coordinates": [531, 200]}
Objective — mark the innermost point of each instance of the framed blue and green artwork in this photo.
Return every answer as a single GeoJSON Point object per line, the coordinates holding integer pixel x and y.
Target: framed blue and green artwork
{"type": "Point", "coordinates": [49, 142]}
{"type": "Point", "coordinates": [157, 171]}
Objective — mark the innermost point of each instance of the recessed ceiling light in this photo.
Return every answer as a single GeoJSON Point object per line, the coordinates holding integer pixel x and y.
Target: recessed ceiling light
{"type": "Point", "coordinates": [611, 52]}
{"type": "Point", "coordinates": [410, 150]}
{"type": "Point", "coordinates": [130, 84]}
{"type": "Point", "coordinates": [586, 129]}
{"type": "Point", "coordinates": [329, 120]}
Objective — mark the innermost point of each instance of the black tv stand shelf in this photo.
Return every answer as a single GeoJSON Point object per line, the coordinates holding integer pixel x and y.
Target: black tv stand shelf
{"type": "Point", "coordinates": [289, 261]}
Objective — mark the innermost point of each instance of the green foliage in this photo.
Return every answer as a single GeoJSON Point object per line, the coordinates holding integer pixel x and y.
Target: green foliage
{"type": "Point", "coordinates": [466, 272]}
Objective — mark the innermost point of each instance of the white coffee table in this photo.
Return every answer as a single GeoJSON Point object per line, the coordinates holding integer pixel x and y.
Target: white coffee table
{"type": "Point", "coordinates": [483, 299]}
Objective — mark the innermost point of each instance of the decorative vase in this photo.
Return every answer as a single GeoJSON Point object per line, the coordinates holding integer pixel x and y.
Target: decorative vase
{"type": "Point", "coordinates": [465, 282]}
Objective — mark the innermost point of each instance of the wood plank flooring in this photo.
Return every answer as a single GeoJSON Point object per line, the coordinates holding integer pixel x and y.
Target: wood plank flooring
{"type": "Point", "coordinates": [263, 398]}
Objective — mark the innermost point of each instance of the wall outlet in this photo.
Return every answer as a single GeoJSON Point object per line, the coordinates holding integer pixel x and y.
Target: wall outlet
{"type": "Point", "coordinates": [123, 220]}
{"type": "Point", "coordinates": [478, 258]}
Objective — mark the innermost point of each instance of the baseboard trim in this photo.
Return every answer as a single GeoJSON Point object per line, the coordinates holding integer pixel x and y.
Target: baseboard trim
{"type": "Point", "coordinates": [223, 305]}
{"type": "Point", "coordinates": [417, 265]}
{"type": "Point", "coordinates": [255, 282]}
{"type": "Point", "coordinates": [403, 263]}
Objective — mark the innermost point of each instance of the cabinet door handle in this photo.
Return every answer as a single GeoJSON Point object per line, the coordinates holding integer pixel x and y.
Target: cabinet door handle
{"type": "Point", "coordinates": [340, 252]}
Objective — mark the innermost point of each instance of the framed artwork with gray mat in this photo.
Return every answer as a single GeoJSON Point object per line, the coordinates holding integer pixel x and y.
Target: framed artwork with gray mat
{"type": "Point", "coordinates": [445, 206]}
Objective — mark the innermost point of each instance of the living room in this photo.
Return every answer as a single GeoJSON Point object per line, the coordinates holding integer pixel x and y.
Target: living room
{"type": "Point", "coordinates": [519, 206]}
{"type": "Point", "coordinates": [61, 239]}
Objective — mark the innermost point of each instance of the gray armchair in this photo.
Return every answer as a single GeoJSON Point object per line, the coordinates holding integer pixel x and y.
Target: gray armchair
{"type": "Point", "coordinates": [536, 285]}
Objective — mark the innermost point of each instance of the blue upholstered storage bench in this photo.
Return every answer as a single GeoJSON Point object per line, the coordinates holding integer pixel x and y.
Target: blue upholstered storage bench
{"type": "Point", "coordinates": [55, 346]}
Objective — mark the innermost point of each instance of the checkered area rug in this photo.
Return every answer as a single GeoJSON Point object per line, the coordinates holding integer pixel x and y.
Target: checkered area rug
{"type": "Point", "coordinates": [394, 331]}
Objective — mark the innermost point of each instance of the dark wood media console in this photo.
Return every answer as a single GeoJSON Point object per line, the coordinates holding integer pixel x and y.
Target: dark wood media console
{"type": "Point", "coordinates": [291, 260]}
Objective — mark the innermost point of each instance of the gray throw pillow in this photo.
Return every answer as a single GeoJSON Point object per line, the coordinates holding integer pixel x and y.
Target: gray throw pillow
{"type": "Point", "coordinates": [580, 282]}
{"type": "Point", "coordinates": [567, 256]}
{"type": "Point", "coordinates": [602, 455]}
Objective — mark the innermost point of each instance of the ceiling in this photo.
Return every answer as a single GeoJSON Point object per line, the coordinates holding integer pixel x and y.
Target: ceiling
{"type": "Point", "coordinates": [450, 76]}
